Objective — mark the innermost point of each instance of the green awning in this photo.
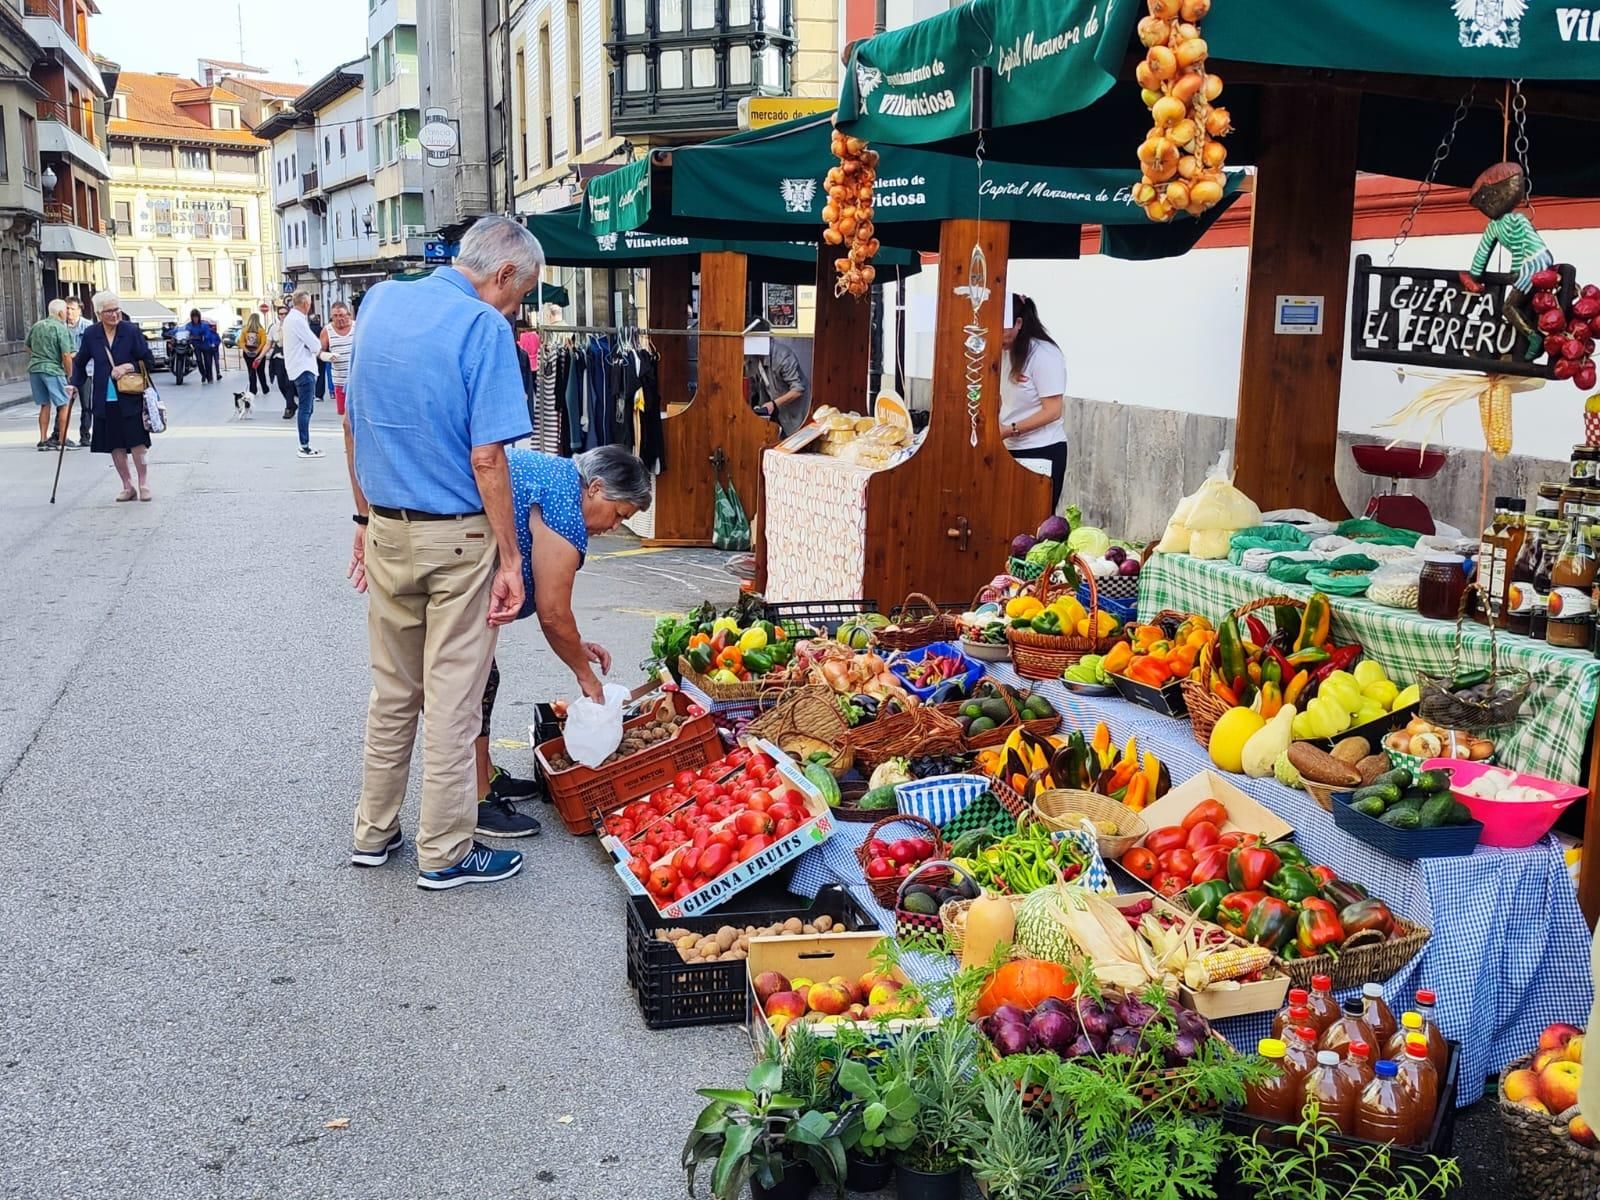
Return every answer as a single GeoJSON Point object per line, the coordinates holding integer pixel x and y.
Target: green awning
{"type": "Point", "coordinates": [550, 293]}
{"type": "Point", "coordinates": [618, 200]}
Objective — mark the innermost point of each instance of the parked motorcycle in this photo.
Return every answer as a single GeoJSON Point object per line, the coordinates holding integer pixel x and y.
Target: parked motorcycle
{"type": "Point", "coordinates": [181, 355]}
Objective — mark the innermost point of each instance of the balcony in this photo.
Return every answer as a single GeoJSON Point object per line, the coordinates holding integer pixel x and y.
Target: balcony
{"type": "Point", "coordinates": [65, 237]}
{"type": "Point", "coordinates": [43, 27]}
{"type": "Point", "coordinates": [55, 137]}
{"type": "Point", "coordinates": [308, 183]}
{"type": "Point", "coordinates": [683, 68]}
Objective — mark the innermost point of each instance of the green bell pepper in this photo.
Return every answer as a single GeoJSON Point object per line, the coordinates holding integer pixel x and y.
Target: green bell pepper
{"type": "Point", "coordinates": [757, 662]}
{"type": "Point", "coordinates": [1289, 854]}
{"type": "Point", "coordinates": [1203, 898]}
{"type": "Point", "coordinates": [1272, 924]}
{"type": "Point", "coordinates": [1047, 622]}
{"type": "Point", "coordinates": [700, 659]}
{"type": "Point", "coordinates": [1293, 884]}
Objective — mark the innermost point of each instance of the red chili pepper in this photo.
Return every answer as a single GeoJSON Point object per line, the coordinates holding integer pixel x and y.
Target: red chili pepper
{"type": "Point", "coordinates": [1342, 658]}
{"type": "Point", "coordinates": [1072, 870]}
{"type": "Point", "coordinates": [1257, 629]}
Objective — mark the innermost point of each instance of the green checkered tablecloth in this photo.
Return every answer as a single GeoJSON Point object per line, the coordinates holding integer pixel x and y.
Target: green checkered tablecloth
{"type": "Point", "coordinates": [1551, 738]}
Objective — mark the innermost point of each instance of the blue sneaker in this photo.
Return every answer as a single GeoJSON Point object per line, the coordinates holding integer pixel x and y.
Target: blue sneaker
{"type": "Point", "coordinates": [481, 865]}
{"type": "Point", "coordinates": [376, 858]}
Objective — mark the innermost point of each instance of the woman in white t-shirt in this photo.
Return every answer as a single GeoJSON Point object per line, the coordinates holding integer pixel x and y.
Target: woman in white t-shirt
{"type": "Point", "coordinates": [1030, 396]}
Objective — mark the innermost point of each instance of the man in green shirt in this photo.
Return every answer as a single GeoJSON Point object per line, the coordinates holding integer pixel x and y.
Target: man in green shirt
{"type": "Point", "coordinates": [49, 364]}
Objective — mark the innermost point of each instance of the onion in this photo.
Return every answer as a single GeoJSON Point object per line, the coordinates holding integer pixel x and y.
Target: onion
{"type": "Point", "coordinates": [872, 246]}
{"type": "Point", "coordinates": [1165, 10]}
{"type": "Point", "coordinates": [1149, 97]}
{"type": "Point", "coordinates": [1192, 1023]}
{"type": "Point", "coordinates": [830, 213]}
{"type": "Point", "coordinates": [1096, 1021]}
{"type": "Point", "coordinates": [1051, 1031]}
{"type": "Point", "coordinates": [1188, 168]}
{"type": "Point", "coordinates": [1192, 52]}
{"type": "Point", "coordinates": [1218, 122]}
{"type": "Point", "coordinates": [1187, 86]}
{"type": "Point", "coordinates": [1183, 133]}
{"type": "Point", "coordinates": [1156, 210]}
{"type": "Point", "coordinates": [1146, 77]}
{"type": "Point", "coordinates": [1206, 192]}
{"type": "Point", "coordinates": [1184, 1047]}
{"type": "Point", "coordinates": [869, 272]}
{"type": "Point", "coordinates": [837, 675]}
{"type": "Point", "coordinates": [1177, 194]}
{"type": "Point", "coordinates": [1168, 111]}
{"type": "Point", "coordinates": [1163, 63]}
{"type": "Point", "coordinates": [870, 157]}
{"type": "Point", "coordinates": [833, 237]}
{"type": "Point", "coordinates": [1135, 1013]}
{"type": "Point", "coordinates": [1123, 1041]}
{"type": "Point", "coordinates": [841, 265]}
{"type": "Point", "coordinates": [847, 226]}
{"type": "Point", "coordinates": [1214, 154]}
{"type": "Point", "coordinates": [1195, 10]}
{"type": "Point", "coordinates": [1081, 1047]}
{"type": "Point", "coordinates": [1212, 88]}
{"type": "Point", "coordinates": [1010, 1038]}
{"type": "Point", "coordinates": [1144, 193]}
{"type": "Point", "coordinates": [1153, 31]}
{"type": "Point", "coordinates": [854, 145]}
{"type": "Point", "coordinates": [850, 167]}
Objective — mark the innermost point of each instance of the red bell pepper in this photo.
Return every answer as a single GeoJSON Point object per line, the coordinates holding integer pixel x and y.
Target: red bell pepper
{"type": "Point", "coordinates": [1316, 930]}
{"type": "Point", "coordinates": [1271, 924]}
{"type": "Point", "coordinates": [1211, 863]}
{"type": "Point", "coordinates": [1249, 867]}
{"type": "Point", "coordinates": [1321, 905]}
{"type": "Point", "coordinates": [1367, 914]}
{"type": "Point", "coordinates": [1235, 908]}
{"type": "Point", "coordinates": [1235, 837]}
{"type": "Point", "coordinates": [1324, 875]}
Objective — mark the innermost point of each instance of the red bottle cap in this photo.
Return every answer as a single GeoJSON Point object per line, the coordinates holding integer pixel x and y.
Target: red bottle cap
{"type": "Point", "coordinates": [1426, 997]}
{"type": "Point", "coordinates": [1306, 1034]}
{"type": "Point", "coordinates": [1299, 1012]}
{"type": "Point", "coordinates": [1360, 1049]}
{"type": "Point", "coordinates": [1298, 996]}
{"type": "Point", "coordinates": [1417, 1047]}
{"type": "Point", "coordinates": [1322, 983]}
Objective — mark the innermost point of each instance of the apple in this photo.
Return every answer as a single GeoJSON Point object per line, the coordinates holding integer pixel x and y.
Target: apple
{"type": "Point", "coordinates": [1558, 1085]}
{"type": "Point", "coordinates": [828, 998]}
{"type": "Point", "coordinates": [769, 984]}
{"type": "Point", "coordinates": [1520, 1084]}
{"type": "Point", "coordinates": [1544, 1058]}
{"type": "Point", "coordinates": [870, 980]}
{"type": "Point", "coordinates": [1533, 1104]}
{"type": "Point", "coordinates": [1555, 1037]}
{"type": "Point", "coordinates": [885, 991]}
{"type": "Point", "coordinates": [1575, 1050]}
{"type": "Point", "coordinates": [1582, 1132]}
{"type": "Point", "coordinates": [787, 1004]}
{"type": "Point", "coordinates": [778, 1023]}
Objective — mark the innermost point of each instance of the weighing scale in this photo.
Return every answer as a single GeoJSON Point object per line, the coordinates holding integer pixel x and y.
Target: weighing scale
{"type": "Point", "coordinates": [1397, 507]}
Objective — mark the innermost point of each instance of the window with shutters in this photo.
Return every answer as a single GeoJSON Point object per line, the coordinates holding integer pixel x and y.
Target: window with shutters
{"type": "Point", "coordinates": [194, 158]}
{"type": "Point", "coordinates": [126, 283]}
{"type": "Point", "coordinates": [236, 221]}
{"type": "Point", "coordinates": [241, 274]}
{"type": "Point", "coordinates": [166, 279]}
{"type": "Point", "coordinates": [202, 275]}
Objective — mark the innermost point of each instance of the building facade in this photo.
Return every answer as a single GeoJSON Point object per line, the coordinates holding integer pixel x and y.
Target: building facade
{"type": "Point", "coordinates": [21, 197]}
{"type": "Point", "coordinates": [393, 105]}
{"type": "Point", "coordinates": [71, 131]}
{"type": "Point", "coordinates": [190, 198]}
{"type": "Point", "coordinates": [454, 86]}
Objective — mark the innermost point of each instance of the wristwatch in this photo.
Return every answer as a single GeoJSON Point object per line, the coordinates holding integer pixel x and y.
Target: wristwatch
{"type": "Point", "coordinates": [358, 518]}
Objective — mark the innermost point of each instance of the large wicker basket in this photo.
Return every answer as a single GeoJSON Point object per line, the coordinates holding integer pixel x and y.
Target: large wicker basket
{"type": "Point", "coordinates": [1544, 1159]}
{"type": "Point", "coordinates": [768, 687]}
{"type": "Point", "coordinates": [1046, 656]}
{"type": "Point", "coordinates": [1060, 809]}
{"type": "Point", "coordinates": [921, 730]}
{"type": "Point", "coordinates": [805, 720]}
{"type": "Point", "coordinates": [1364, 964]}
{"type": "Point", "coordinates": [921, 623]}
{"type": "Point", "coordinates": [1205, 707]}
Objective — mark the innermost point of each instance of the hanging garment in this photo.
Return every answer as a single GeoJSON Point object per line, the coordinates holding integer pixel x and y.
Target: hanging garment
{"type": "Point", "coordinates": [652, 447]}
{"type": "Point", "coordinates": [597, 407]}
{"type": "Point", "coordinates": [577, 414]}
{"type": "Point", "coordinates": [624, 387]}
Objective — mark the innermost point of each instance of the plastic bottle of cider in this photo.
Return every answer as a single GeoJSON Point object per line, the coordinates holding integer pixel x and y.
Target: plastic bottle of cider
{"type": "Point", "coordinates": [1350, 1027]}
{"type": "Point", "coordinates": [1333, 1091]}
{"type": "Point", "coordinates": [1298, 998]}
{"type": "Point", "coordinates": [1358, 1064]}
{"type": "Point", "coordinates": [1438, 1044]}
{"type": "Point", "coordinates": [1385, 1111]}
{"type": "Point", "coordinates": [1324, 1008]}
{"type": "Point", "coordinates": [1277, 1097]}
{"type": "Point", "coordinates": [1378, 1014]}
{"type": "Point", "coordinates": [1418, 1077]}
{"type": "Point", "coordinates": [1300, 1054]}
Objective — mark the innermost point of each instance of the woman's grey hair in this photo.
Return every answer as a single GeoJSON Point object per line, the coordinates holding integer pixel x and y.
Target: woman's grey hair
{"type": "Point", "coordinates": [56, 308]}
{"type": "Point", "coordinates": [622, 477]}
{"type": "Point", "coordinates": [494, 241]}
{"type": "Point", "coordinates": [101, 299]}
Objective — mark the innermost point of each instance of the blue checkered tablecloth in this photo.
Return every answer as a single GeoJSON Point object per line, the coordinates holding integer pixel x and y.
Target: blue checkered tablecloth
{"type": "Point", "coordinates": [1510, 948]}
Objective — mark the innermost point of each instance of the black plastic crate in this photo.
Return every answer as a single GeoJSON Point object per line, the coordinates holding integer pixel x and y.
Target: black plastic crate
{"type": "Point", "coordinates": [823, 615]}
{"type": "Point", "coordinates": [673, 993]}
{"type": "Point", "coordinates": [1439, 1145]}
{"type": "Point", "coordinates": [1168, 700]}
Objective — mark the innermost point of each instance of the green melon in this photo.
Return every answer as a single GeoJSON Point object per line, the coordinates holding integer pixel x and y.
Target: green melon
{"type": "Point", "coordinates": [1040, 933]}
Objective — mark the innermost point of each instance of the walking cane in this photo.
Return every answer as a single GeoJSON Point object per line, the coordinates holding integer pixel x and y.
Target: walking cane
{"type": "Point", "coordinates": [61, 450]}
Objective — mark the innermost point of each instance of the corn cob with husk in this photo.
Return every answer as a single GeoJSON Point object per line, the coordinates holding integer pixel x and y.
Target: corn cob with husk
{"type": "Point", "coordinates": [1494, 413]}
{"type": "Point", "coordinates": [1493, 393]}
{"type": "Point", "coordinates": [1219, 966]}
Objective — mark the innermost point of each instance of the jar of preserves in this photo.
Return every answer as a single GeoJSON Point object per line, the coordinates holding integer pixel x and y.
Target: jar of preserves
{"type": "Point", "coordinates": [1441, 585]}
{"type": "Point", "coordinates": [1548, 505]}
{"type": "Point", "coordinates": [1570, 618]}
{"type": "Point", "coordinates": [1584, 471]}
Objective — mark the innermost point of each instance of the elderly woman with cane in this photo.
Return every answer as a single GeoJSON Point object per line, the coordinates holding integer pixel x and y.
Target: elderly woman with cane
{"type": "Point", "coordinates": [121, 362]}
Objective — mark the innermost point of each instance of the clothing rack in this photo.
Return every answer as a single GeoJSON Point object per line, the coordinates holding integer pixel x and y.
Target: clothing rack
{"type": "Point", "coordinates": [614, 330]}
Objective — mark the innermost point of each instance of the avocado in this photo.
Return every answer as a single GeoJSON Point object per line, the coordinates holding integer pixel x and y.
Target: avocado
{"type": "Point", "coordinates": [1039, 706]}
{"type": "Point", "coordinates": [981, 725]}
{"type": "Point", "coordinates": [997, 711]}
{"type": "Point", "coordinates": [919, 902]}
{"type": "Point", "coordinates": [972, 709]}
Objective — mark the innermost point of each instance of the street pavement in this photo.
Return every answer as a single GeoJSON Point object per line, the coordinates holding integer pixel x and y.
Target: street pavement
{"type": "Point", "coordinates": [198, 992]}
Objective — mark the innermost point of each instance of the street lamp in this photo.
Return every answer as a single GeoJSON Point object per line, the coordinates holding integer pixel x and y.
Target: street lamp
{"type": "Point", "coordinates": [366, 219]}
{"type": "Point", "coordinates": [49, 180]}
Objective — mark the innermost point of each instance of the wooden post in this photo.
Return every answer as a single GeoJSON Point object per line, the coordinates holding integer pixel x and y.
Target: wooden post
{"type": "Point", "coordinates": [842, 344]}
{"type": "Point", "coordinates": [1288, 428]}
{"type": "Point", "coordinates": [671, 281]}
{"type": "Point", "coordinates": [940, 522]}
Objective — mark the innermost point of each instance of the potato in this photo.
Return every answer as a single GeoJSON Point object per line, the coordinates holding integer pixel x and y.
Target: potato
{"type": "Point", "coordinates": [688, 942]}
{"type": "Point", "coordinates": [708, 947]}
{"type": "Point", "coordinates": [1351, 750]}
{"type": "Point", "coordinates": [726, 936]}
{"type": "Point", "coordinates": [736, 954]}
{"type": "Point", "coordinates": [824, 923]}
{"type": "Point", "coordinates": [793, 925]}
{"type": "Point", "coordinates": [808, 929]}
{"type": "Point", "coordinates": [1371, 767]}
{"type": "Point", "coordinates": [742, 944]}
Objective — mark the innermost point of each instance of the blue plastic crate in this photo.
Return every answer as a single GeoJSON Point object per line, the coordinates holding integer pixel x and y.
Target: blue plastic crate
{"type": "Point", "coordinates": [1123, 610]}
{"type": "Point", "coordinates": [1444, 841]}
{"type": "Point", "coordinates": [974, 670]}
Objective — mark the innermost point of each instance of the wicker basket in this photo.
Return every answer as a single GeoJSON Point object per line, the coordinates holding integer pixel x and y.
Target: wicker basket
{"type": "Point", "coordinates": [887, 891]}
{"type": "Point", "coordinates": [1205, 707]}
{"type": "Point", "coordinates": [1042, 726]}
{"type": "Point", "coordinates": [1364, 964]}
{"type": "Point", "coordinates": [921, 730]}
{"type": "Point", "coordinates": [804, 720]}
{"type": "Point", "coordinates": [918, 631]}
{"type": "Point", "coordinates": [953, 914]}
{"type": "Point", "coordinates": [1060, 809]}
{"type": "Point", "coordinates": [768, 687]}
{"type": "Point", "coordinates": [1451, 710]}
{"type": "Point", "coordinates": [1046, 656]}
{"type": "Point", "coordinates": [1544, 1160]}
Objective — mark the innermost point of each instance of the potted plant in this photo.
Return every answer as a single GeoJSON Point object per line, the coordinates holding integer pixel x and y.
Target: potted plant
{"type": "Point", "coordinates": [1302, 1161]}
{"type": "Point", "coordinates": [939, 1066]}
{"type": "Point", "coordinates": [766, 1138]}
{"type": "Point", "coordinates": [880, 1123]}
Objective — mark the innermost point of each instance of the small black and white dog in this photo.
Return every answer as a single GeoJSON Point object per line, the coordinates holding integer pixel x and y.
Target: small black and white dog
{"type": "Point", "coordinates": [241, 406]}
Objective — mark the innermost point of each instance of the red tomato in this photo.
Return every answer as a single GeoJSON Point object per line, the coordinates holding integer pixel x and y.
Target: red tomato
{"type": "Point", "coordinates": [726, 836]}
{"type": "Point", "coordinates": [665, 804]}
{"type": "Point", "coordinates": [684, 888]}
{"type": "Point", "coordinates": [753, 821]}
{"type": "Point", "coordinates": [1168, 837]}
{"type": "Point", "coordinates": [714, 860]}
{"type": "Point", "coordinates": [1169, 884]}
{"type": "Point", "coordinates": [623, 830]}
{"type": "Point", "coordinates": [1201, 835]}
{"type": "Point", "coordinates": [716, 812]}
{"type": "Point", "coordinates": [877, 848]}
{"type": "Point", "coordinates": [760, 762]}
{"type": "Point", "coordinates": [684, 779]}
{"type": "Point", "coordinates": [1214, 811]}
{"type": "Point", "coordinates": [789, 796]}
{"type": "Point", "coordinates": [1177, 862]}
{"type": "Point", "coordinates": [663, 879]}
{"type": "Point", "coordinates": [784, 812]}
{"type": "Point", "coordinates": [785, 827]}
{"type": "Point", "coordinates": [640, 870]}
{"type": "Point", "coordinates": [1210, 863]}
{"type": "Point", "coordinates": [701, 837]}
{"type": "Point", "coordinates": [760, 798]}
{"type": "Point", "coordinates": [753, 846]}
{"type": "Point", "coordinates": [736, 758]}
{"type": "Point", "coordinates": [879, 868]}
{"type": "Point", "coordinates": [1140, 863]}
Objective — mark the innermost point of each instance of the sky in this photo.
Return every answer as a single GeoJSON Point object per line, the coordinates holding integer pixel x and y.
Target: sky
{"type": "Point", "coordinates": [294, 40]}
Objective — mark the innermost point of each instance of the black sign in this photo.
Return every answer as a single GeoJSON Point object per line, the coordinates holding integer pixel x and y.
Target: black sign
{"type": "Point", "coordinates": [1425, 317]}
{"type": "Point", "coordinates": [778, 300]}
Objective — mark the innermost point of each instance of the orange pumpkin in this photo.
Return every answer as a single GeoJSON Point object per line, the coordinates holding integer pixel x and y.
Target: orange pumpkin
{"type": "Point", "coordinates": [1026, 982]}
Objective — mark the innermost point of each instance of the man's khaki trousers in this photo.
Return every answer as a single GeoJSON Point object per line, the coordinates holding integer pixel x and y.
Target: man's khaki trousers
{"type": "Point", "coordinates": [428, 586]}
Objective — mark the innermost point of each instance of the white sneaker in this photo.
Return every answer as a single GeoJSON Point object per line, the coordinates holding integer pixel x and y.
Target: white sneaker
{"type": "Point", "coordinates": [308, 452]}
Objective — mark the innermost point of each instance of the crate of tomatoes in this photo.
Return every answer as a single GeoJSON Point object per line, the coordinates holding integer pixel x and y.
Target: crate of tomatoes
{"type": "Point", "coordinates": [714, 831]}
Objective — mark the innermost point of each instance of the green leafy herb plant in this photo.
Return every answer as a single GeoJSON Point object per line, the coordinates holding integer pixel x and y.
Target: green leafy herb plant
{"type": "Point", "coordinates": [751, 1135]}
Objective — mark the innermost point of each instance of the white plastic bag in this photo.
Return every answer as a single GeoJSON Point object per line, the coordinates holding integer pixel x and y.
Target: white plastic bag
{"type": "Point", "coordinates": [593, 730]}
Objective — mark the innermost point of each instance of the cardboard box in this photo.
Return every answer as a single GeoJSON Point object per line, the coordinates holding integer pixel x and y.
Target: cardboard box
{"type": "Point", "coordinates": [1245, 813]}
{"type": "Point", "coordinates": [817, 958]}
{"type": "Point", "coordinates": [816, 830]}
{"type": "Point", "coordinates": [1260, 995]}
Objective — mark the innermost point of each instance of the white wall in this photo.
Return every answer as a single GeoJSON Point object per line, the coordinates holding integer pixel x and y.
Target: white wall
{"type": "Point", "coordinates": [1167, 334]}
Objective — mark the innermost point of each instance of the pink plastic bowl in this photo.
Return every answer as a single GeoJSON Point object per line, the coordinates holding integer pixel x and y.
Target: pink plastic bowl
{"type": "Point", "coordinates": [1507, 822]}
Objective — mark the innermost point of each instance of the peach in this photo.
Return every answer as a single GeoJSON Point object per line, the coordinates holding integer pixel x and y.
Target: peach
{"type": "Point", "coordinates": [856, 1011]}
{"type": "Point", "coordinates": [1533, 1105]}
{"type": "Point", "coordinates": [870, 980]}
{"type": "Point", "coordinates": [1521, 1084]}
{"type": "Point", "coordinates": [769, 984]}
{"type": "Point", "coordinates": [1575, 1050]}
{"type": "Point", "coordinates": [1582, 1132]}
{"type": "Point", "coordinates": [788, 1004]}
{"type": "Point", "coordinates": [884, 992]}
{"type": "Point", "coordinates": [828, 998]}
{"type": "Point", "coordinates": [1558, 1085]}
{"type": "Point", "coordinates": [800, 984]}
{"type": "Point", "coordinates": [778, 1023]}
{"type": "Point", "coordinates": [1544, 1058]}
{"type": "Point", "coordinates": [1555, 1037]}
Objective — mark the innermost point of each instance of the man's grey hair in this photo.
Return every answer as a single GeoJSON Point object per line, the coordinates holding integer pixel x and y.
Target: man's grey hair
{"type": "Point", "coordinates": [56, 308]}
{"type": "Point", "coordinates": [339, 304]}
{"type": "Point", "coordinates": [494, 241]}
{"type": "Point", "coordinates": [622, 477]}
{"type": "Point", "coordinates": [298, 297]}
{"type": "Point", "coordinates": [101, 299]}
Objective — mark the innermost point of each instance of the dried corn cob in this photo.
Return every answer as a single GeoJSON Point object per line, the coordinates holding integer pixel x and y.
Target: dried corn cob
{"type": "Point", "coordinates": [1494, 412]}
{"type": "Point", "coordinates": [1233, 963]}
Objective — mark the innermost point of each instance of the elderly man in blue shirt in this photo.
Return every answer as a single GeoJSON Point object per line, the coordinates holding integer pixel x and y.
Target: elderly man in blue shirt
{"type": "Point", "coordinates": [434, 394]}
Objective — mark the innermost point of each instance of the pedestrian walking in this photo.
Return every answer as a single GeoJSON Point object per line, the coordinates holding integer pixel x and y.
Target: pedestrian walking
{"type": "Point", "coordinates": [200, 335]}
{"type": "Point", "coordinates": [79, 325]}
{"type": "Point", "coordinates": [253, 346]}
{"type": "Point", "coordinates": [336, 341]}
{"type": "Point", "coordinates": [428, 419]}
{"type": "Point", "coordinates": [49, 363]}
{"type": "Point", "coordinates": [300, 350]}
{"type": "Point", "coordinates": [116, 350]}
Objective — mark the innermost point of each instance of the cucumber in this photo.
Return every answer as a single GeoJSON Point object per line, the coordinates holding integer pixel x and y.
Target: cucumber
{"type": "Point", "coordinates": [1460, 814]}
{"type": "Point", "coordinates": [1415, 796]}
{"type": "Point", "coordinates": [1432, 781]}
{"type": "Point", "coordinates": [1436, 812]}
{"type": "Point", "coordinates": [1372, 806]}
{"type": "Point", "coordinates": [878, 798]}
{"type": "Point", "coordinates": [1400, 777]}
{"type": "Point", "coordinates": [1402, 817]}
{"type": "Point", "coordinates": [1389, 793]}
{"type": "Point", "coordinates": [822, 779]}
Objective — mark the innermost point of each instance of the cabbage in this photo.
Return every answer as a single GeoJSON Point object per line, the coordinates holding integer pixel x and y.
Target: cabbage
{"type": "Point", "coordinates": [1048, 554]}
{"type": "Point", "coordinates": [1089, 541]}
